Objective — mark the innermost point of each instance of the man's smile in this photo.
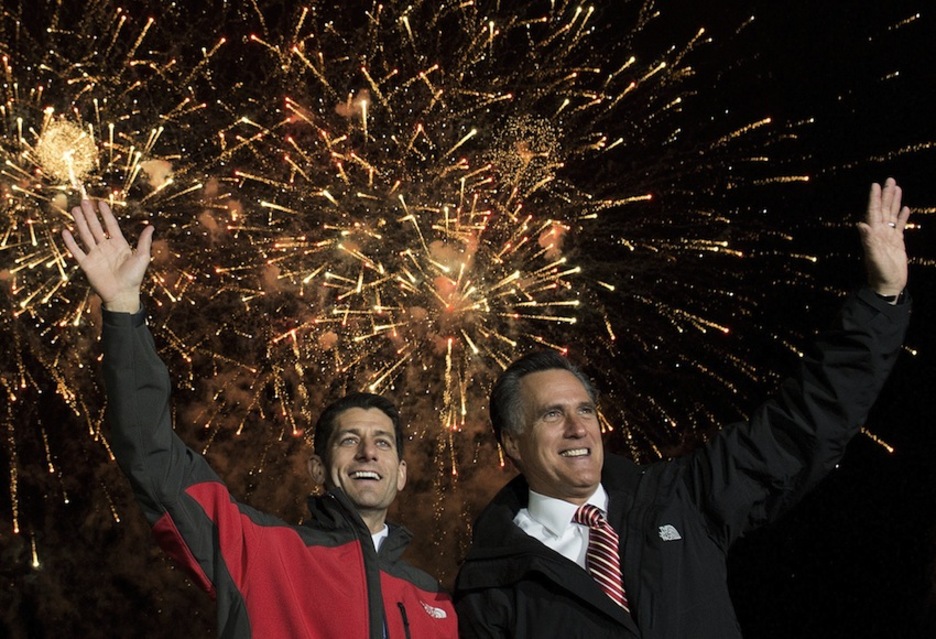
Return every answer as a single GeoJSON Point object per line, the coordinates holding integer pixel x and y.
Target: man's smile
{"type": "Point", "coordinates": [364, 474]}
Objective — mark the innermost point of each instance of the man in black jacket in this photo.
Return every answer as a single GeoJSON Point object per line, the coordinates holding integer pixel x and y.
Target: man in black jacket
{"type": "Point", "coordinates": [528, 571]}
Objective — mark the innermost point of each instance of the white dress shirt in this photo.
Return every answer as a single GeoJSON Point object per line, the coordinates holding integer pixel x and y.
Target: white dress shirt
{"type": "Point", "coordinates": [550, 521]}
{"type": "Point", "coordinates": [378, 537]}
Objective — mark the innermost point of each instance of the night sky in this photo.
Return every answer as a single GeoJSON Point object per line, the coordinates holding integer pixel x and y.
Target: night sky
{"type": "Point", "coordinates": [853, 83]}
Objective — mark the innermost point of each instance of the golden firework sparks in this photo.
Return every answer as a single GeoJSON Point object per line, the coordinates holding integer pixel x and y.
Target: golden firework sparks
{"type": "Point", "coordinates": [66, 152]}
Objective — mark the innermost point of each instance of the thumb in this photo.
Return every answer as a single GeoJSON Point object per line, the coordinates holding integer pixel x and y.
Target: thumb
{"type": "Point", "coordinates": [864, 233]}
{"type": "Point", "coordinates": [145, 242]}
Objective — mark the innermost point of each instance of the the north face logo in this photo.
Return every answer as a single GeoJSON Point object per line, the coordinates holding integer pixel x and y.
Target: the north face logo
{"type": "Point", "coordinates": [669, 533]}
{"type": "Point", "coordinates": [432, 611]}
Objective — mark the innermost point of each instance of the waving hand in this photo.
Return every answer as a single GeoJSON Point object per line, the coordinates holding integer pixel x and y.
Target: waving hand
{"type": "Point", "coordinates": [114, 269]}
{"type": "Point", "coordinates": [882, 236]}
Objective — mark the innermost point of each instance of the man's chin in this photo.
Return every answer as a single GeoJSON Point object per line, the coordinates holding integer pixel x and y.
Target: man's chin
{"type": "Point", "coordinates": [585, 483]}
{"type": "Point", "coordinates": [367, 500]}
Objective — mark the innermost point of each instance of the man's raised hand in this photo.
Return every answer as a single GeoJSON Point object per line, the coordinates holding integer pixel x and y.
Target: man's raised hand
{"type": "Point", "coordinates": [114, 269]}
{"type": "Point", "coordinates": [882, 237]}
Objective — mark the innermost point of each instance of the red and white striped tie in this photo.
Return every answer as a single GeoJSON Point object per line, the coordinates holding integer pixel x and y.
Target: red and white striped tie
{"type": "Point", "coordinates": [601, 558]}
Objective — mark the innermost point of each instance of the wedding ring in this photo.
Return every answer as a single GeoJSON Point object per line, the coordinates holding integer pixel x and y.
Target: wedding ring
{"type": "Point", "coordinates": [893, 225]}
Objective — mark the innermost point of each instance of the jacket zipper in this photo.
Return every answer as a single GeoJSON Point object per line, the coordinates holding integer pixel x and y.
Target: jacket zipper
{"type": "Point", "coordinates": [367, 568]}
{"type": "Point", "coordinates": [405, 619]}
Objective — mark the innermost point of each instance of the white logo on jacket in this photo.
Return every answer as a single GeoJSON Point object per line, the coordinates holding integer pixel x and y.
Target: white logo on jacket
{"type": "Point", "coordinates": [669, 533]}
{"type": "Point", "coordinates": [435, 613]}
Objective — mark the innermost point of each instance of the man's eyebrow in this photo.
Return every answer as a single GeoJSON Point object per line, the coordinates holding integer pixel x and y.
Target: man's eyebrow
{"type": "Point", "coordinates": [354, 430]}
{"type": "Point", "coordinates": [550, 407]}
{"type": "Point", "coordinates": [561, 405]}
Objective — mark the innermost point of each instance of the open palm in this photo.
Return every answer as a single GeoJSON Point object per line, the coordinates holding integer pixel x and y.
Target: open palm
{"type": "Point", "coordinates": [882, 236]}
{"type": "Point", "coordinates": [114, 269]}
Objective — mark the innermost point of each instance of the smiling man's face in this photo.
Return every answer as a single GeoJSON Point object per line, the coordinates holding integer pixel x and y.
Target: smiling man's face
{"type": "Point", "coordinates": [559, 451]}
{"type": "Point", "coordinates": [364, 462]}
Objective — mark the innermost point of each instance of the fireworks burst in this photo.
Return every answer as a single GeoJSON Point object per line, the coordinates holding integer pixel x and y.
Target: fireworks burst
{"type": "Point", "coordinates": [426, 192]}
{"type": "Point", "coordinates": [66, 152]}
{"type": "Point", "coordinates": [87, 111]}
{"type": "Point", "coordinates": [91, 109]}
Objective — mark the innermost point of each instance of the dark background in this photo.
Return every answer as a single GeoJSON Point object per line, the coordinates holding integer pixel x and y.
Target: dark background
{"type": "Point", "coordinates": [855, 559]}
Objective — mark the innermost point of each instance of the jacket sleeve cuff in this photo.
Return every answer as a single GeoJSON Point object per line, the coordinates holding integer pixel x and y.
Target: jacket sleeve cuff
{"type": "Point", "coordinates": [900, 307]}
{"type": "Point", "coordinates": [124, 320]}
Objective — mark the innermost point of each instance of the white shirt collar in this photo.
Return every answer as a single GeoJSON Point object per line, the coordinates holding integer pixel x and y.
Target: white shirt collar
{"type": "Point", "coordinates": [378, 537]}
{"type": "Point", "coordinates": [555, 515]}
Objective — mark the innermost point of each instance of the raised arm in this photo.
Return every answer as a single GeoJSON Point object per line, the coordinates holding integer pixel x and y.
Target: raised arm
{"type": "Point", "coordinates": [750, 473]}
{"type": "Point", "coordinates": [882, 237]}
{"type": "Point", "coordinates": [139, 416]}
{"type": "Point", "coordinates": [114, 269]}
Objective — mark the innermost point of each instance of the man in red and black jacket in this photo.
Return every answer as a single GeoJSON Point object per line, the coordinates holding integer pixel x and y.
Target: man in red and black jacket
{"type": "Point", "coordinates": [339, 575]}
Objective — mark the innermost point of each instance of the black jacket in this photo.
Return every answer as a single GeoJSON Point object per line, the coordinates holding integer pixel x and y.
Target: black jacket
{"type": "Point", "coordinates": [677, 519]}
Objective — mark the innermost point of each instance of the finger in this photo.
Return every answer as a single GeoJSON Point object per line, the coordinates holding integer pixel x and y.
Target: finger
{"type": "Point", "coordinates": [72, 245]}
{"type": "Point", "coordinates": [894, 210]}
{"type": "Point", "coordinates": [902, 217]}
{"type": "Point", "coordinates": [887, 199]}
{"type": "Point", "coordinates": [82, 225]}
{"type": "Point", "coordinates": [94, 224]}
{"type": "Point", "coordinates": [110, 222]}
{"type": "Point", "coordinates": [874, 203]}
{"type": "Point", "coordinates": [145, 243]}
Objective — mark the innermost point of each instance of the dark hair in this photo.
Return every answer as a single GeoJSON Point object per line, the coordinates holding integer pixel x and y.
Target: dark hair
{"type": "Point", "coordinates": [506, 408]}
{"type": "Point", "coordinates": [325, 425]}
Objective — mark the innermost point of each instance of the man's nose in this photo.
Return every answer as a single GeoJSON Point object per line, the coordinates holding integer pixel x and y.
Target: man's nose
{"type": "Point", "coordinates": [366, 449]}
{"type": "Point", "coordinates": [574, 425]}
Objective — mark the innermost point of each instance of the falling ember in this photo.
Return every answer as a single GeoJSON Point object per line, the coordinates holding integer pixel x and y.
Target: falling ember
{"type": "Point", "coordinates": [34, 552]}
{"type": "Point", "coordinates": [66, 152]}
{"type": "Point", "coordinates": [877, 440]}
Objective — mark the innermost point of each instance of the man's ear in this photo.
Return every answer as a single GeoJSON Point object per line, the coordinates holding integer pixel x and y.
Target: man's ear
{"type": "Point", "coordinates": [401, 475]}
{"type": "Point", "coordinates": [317, 470]}
{"type": "Point", "coordinates": [511, 446]}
